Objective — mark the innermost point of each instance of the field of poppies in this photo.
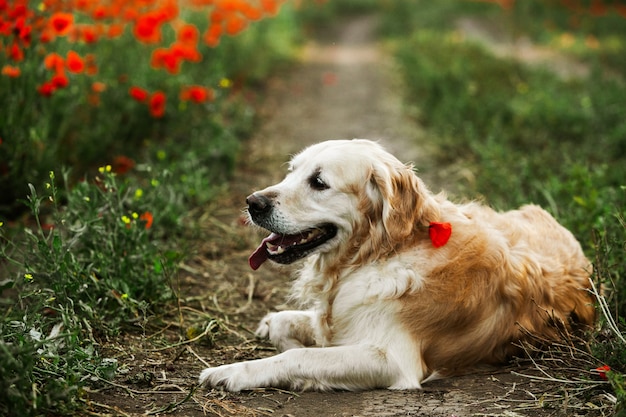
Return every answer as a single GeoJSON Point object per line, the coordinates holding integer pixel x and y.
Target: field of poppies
{"type": "Point", "coordinates": [86, 83]}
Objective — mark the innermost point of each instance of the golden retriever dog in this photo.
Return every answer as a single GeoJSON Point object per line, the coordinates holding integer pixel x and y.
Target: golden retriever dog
{"type": "Point", "coordinates": [399, 285]}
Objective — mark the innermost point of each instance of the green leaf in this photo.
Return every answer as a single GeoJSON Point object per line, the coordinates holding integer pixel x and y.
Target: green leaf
{"type": "Point", "coordinates": [57, 243]}
{"type": "Point", "coordinates": [580, 201]}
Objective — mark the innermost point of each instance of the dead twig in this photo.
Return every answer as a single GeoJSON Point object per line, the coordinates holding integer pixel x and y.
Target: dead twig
{"type": "Point", "coordinates": [250, 290]}
{"type": "Point", "coordinates": [193, 352]}
{"type": "Point", "coordinates": [173, 405]}
{"type": "Point", "coordinates": [116, 410]}
{"type": "Point", "coordinates": [604, 307]}
{"type": "Point", "coordinates": [209, 328]}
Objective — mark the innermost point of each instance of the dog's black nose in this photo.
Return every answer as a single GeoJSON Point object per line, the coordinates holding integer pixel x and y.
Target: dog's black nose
{"type": "Point", "coordinates": [258, 203]}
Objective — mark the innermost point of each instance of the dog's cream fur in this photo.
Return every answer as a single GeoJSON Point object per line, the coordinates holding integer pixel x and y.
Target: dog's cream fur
{"type": "Point", "coordinates": [384, 307]}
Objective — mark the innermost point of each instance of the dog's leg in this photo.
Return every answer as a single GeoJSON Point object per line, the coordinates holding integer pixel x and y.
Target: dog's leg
{"type": "Point", "coordinates": [353, 367]}
{"type": "Point", "coordinates": [289, 329]}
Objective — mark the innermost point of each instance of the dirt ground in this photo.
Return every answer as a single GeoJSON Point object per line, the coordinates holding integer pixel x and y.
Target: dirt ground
{"type": "Point", "coordinates": [344, 87]}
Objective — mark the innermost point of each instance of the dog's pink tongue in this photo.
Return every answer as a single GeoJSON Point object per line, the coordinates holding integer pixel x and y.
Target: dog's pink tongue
{"type": "Point", "coordinates": [261, 254]}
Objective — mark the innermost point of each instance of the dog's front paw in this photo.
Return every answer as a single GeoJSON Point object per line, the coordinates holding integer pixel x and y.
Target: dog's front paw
{"type": "Point", "coordinates": [287, 329]}
{"type": "Point", "coordinates": [230, 377]}
{"type": "Point", "coordinates": [263, 330]}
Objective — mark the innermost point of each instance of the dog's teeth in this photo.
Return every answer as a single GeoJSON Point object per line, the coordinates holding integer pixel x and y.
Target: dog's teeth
{"type": "Point", "coordinates": [274, 249]}
{"type": "Point", "coordinates": [277, 249]}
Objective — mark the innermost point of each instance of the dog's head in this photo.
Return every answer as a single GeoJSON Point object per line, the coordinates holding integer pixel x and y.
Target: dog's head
{"type": "Point", "coordinates": [344, 199]}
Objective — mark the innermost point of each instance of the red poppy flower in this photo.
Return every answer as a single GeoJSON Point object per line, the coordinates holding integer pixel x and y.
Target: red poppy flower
{"type": "Point", "coordinates": [197, 94]}
{"type": "Point", "coordinates": [47, 226]}
{"type": "Point", "coordinates": [83, 5]}
{"type": "Point", "coordinates": [99, 12]}
{"type": "Point", "coordinates": [19, 10]}
{"type": "Point", "coordinates": [90, 64]}
{"type": "Point", "coordinates": [217, 16]}
{"type": "Point", "coordinates": [15, 52]}
{"type": "Point", "coordinates": [61, 22]}
{"type": "Point", "coordinates": [89, 34]}
{"type": "Point", "coordinates": [169, 10]}
{"type": "Point", "coordinates": [439, 233]}
{"type": "Point", "coordinates": [235, 24]}
{"type": "Point", "coordinates": [602, 370]}
{"type": "Point", "coordinates": [252, 12]}
{"type": "Point", "coordinates": [122, 164]}
{"type": "Point", "coordinates": [46, 89]}
{"type": "Point", "coordinates": [185, 51]}
{"type": "Point", "coordinates": [212, 36]}
{"type": "Point", "coordinates": [138, 93]}
{"type": "Point", "coordinates": [46, 36]}
{"type": "Point", "coordinates": [270, 6]}
{"type": "Point", "coordinates": [60, 80]}
{"type": "Point", "coordinates": [74, 62]}
{"type": "Point", "coordinates": [54, 61]}
{"type": "Point", "coordinates": [98, 87]}
{"type": "Point", "coordinates": [188, 34]}
{"type": "Point", "coordinates": [115, 30]}
{"type": "Point", "coordinates": [147, 28]}
{"type": "Point", "coordinates": [164, 58]}
{"type": "Point", "coordinates": [11, 71]}
{"type": "Point", "coordinates": [157, 104]}
{"type": "Point", "coordinates": [22, 30]}
{"type": "Point", "coordinates": [148, 218]}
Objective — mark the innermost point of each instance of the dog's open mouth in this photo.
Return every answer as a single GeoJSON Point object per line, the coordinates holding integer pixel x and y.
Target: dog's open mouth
{"type": "Point", "coordinates": [286, 249]}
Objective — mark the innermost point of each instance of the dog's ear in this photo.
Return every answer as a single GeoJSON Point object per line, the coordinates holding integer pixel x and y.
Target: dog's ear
{"type": "Point", "coordinates": [406, 202]}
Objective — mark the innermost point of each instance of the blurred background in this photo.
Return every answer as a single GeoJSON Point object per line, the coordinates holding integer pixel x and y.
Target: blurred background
{"type": "Point", "coordinates": [120, 118]}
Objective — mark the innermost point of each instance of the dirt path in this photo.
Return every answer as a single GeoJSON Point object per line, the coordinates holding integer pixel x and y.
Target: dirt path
{"type": "Point", "coordinates": [344, 88]}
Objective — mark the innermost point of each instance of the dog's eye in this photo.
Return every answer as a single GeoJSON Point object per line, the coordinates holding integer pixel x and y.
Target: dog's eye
{"type": "Point", "coordinates": [317, 183]}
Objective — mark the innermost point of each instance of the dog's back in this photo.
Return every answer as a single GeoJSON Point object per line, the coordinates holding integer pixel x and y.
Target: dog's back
{"type": "Point", "coordinates": [507, 275]}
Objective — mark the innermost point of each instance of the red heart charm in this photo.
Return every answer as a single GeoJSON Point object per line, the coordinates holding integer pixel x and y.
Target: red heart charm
{"type": "Point", "coordinates": [439, 233]}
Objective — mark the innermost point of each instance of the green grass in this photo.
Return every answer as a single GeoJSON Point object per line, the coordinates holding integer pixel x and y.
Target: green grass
{"type": "Point", "coordinates": [86, 253]}
{"type": "Point", "coordinates": [525, 134]}
{"type": "Point", "coordinates": [92, 263]}
{"type": "Point", "coordinates": [574, 32]}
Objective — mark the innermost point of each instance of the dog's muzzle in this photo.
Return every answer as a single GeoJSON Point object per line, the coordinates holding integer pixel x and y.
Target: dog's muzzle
{"type": "Point", "coordinates": [258, 205]}
{"type": "Point", "coordinates": [281, 247]}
